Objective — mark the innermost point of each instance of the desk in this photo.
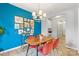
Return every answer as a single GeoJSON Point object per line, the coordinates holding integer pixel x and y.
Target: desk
{"type": "Point", "coordinates": [37, 42]}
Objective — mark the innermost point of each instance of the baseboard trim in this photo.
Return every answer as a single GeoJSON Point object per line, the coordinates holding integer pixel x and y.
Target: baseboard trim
{"type": "Point", "coordinates": [72, 48]}
{"type": "Point", "coordinates": [12, 49]}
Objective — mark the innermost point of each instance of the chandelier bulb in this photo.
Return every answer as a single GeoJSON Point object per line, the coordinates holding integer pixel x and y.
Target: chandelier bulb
{"type": "Point", "coordinates": [44, 15]}
{"type": "Point", "coordinates": [40, 12]}
{"type": "Point", "coordinates": [33, 14]}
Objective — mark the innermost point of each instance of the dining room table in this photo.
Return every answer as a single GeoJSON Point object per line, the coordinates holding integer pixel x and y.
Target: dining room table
{"type": "Point", "coordinates": [37, 42]}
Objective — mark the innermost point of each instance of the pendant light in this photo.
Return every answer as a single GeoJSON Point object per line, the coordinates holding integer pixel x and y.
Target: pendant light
{"type": "Point", "coordinates": [39, 14]}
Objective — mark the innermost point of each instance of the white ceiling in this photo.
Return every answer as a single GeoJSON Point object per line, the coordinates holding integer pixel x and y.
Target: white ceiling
{"type": "Point", "coordinates": [46, 7]}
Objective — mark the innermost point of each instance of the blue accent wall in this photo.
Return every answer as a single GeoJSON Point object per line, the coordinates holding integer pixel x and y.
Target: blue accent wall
{"type": "Point", "coordinates": [37, 27]}
{"type": "Point", "coordinates": [11, 38]}
{"type": "Point", "coordinates": [7, 12]}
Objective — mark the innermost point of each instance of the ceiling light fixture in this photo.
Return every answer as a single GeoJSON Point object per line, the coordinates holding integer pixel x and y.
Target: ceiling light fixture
{"type": "Point", "coordinates": [39, 14]}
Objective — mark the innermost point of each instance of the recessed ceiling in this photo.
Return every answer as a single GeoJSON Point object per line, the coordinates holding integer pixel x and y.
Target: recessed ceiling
{"type": "Point", "coordinates": [49, 8]}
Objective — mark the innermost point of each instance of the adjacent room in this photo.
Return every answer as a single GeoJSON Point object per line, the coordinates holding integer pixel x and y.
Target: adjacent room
{"type": "Point", "coordinates": [39, 29]}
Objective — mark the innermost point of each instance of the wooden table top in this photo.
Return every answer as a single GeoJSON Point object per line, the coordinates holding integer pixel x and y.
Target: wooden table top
{"type": "Point", "coordinates": [37, 41]}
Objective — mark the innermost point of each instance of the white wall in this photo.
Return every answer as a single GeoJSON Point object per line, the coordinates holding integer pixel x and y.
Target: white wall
{"type": "Point", "coordinates": [71, 27]}
{"type": "Point", "coordinates": [49, 24]}
{"type": "Point", "coordinates": [78, 29]}
{"type": "Point", "coordinates": [45, 25]}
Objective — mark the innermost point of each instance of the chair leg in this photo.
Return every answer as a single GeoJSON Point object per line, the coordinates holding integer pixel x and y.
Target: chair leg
{"type": "Point", "coordinates": [27, 49]}
{"type": "Point", "coordinates": [37, 50]}
{"type": "Point", "coordinates": [56, 51]}
{"type": "Point", "coordinates": [53, 51]}
{"type": "Point", "coordinates": [62, 52]}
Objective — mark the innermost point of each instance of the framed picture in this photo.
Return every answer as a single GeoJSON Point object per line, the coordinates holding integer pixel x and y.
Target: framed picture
{"type": "Point", "coordinates": [21, 25]}
{"type": "Point", "coordinates": [32, 32]}
{"type": "Point", "coordinates": [18, 19]}
{"type": "Point", "coordinates": [17, 26]}
{"type": "Point", "coordinates": [27, 29]}
{"type": "Point", "coordinates": [32, 23]}
{"type": "Point", "coordinates": [20, 31]}
{"type": "Point", "coordinates": [25, 19]}
{"type": "Point", "coordinates": [26, 24]}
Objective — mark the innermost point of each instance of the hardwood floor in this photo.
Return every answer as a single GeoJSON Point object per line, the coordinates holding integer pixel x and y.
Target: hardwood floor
{"type": "Point", "coordinates": [66, 51]}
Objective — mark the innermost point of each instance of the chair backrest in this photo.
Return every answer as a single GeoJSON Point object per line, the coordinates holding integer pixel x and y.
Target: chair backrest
{"type": "Point", "coordinates": [47, 48]}
{"type": "Point", "coordinates": [56, 42]}
{"type": "Point", "coordinates": [30, 39]}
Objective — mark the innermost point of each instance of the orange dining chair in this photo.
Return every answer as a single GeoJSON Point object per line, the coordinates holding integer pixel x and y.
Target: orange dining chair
{"type": "Point", "coordinates": [44, 49]}
{"type": "Point", "coordinates": [47, 48]}
{"type": "Point", "coordinates": [55, 45]}
{"type": "Point", "coordinates": [56, 42]}
{"type": "Point", "coordinates": [30, 39]}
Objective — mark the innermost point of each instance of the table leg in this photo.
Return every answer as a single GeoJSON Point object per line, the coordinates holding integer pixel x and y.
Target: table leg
{"type": "Point", "coordinates": [37, 50]}
{"type": "Point", "coordinates": [27, 49]}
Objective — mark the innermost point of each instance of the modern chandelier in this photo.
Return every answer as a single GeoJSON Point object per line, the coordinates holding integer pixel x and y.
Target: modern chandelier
{"type": "Point", "coordinates": [39, 14]}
